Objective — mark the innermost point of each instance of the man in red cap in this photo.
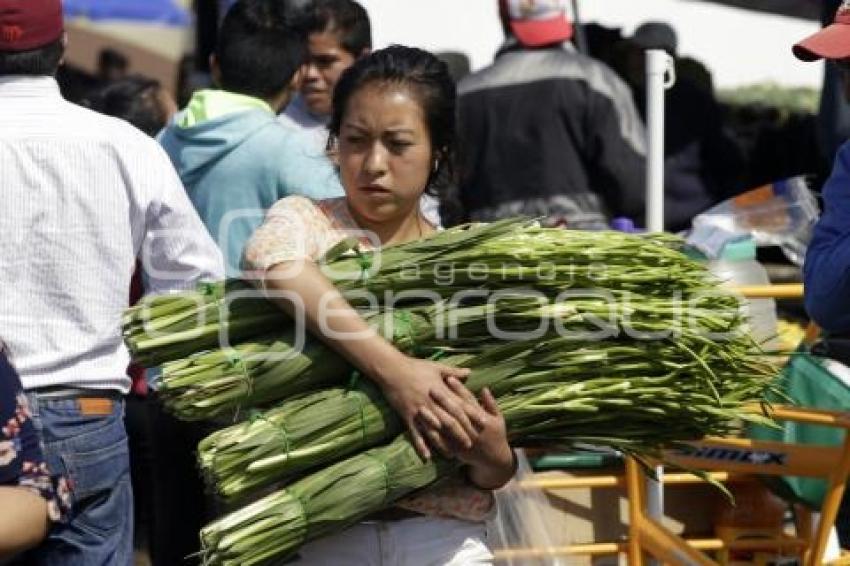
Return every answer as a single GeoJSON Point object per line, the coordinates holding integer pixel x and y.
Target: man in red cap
{"type": "Point", "coordinates": [84, 195]}
{"type": "Point", "coordinates": [546, 131]}
{"type": "Point", "coordinates": [827, 268]}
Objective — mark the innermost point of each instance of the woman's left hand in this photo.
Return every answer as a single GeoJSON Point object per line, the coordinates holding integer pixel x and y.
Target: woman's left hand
{"type": "Point", "coordinates": [490, 458]}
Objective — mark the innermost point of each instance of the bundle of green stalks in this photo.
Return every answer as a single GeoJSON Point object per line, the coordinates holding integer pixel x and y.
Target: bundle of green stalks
{"type": "Point", "coordinates": [612, 394]}
{"type": "Point", "coordinates": [275, 526]}
{"type": "Point", "coordinates": [606, 338]}
{"type": "Point", "coordinates": [253, 374]}
{"type": "Point", "coordinates": [226, 382]}
{"type": "Point", "coordinates": [162, 328]}
{"type": "Point", "coordinates": [635, 413]}
{"type": "Point", "coordinates": [548, 259]}
{"type": "Point", "coordinates": [509, 254]}
{"type": "Point", "coordinates": [300, 434]}
{"type": "Point", "coordinates": [634, 397]}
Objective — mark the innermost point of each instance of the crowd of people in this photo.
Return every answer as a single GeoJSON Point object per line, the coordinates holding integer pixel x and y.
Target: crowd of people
{"type": "Point", "coordinates": [307, 136]}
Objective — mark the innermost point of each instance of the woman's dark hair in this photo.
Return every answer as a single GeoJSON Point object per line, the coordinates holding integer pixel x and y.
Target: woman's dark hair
{"type": "Point", "coordinates": [346, 18]}
{"type": "Point", "coordinates": [133, 99]}
{"type": "Point", "coordinates": [42, 61]}
{"type": "Point", "coordinates": [428, 79]}
{"type": "Point", "coordinates": [261, 45]}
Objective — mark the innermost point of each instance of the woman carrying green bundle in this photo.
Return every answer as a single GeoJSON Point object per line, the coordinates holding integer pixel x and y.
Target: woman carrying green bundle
{"type": "Point", "coordinates": [392, 132]}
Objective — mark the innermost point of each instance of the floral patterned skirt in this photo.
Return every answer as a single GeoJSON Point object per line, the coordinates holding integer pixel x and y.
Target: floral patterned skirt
{"type": "Point", "coordinates": [21, 460]}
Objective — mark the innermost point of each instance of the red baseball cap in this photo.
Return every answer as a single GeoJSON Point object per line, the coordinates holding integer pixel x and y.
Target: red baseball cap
{"type": "Point", "coordinates": [29, 24]}
{"type": "Point", "coordinates": [536, 23]}
{"type": "Point", "coordinates": [832, 42]}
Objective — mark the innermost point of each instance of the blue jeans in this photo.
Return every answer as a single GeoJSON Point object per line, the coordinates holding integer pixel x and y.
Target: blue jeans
{"type": "Point", "coordinates": [88, 447]}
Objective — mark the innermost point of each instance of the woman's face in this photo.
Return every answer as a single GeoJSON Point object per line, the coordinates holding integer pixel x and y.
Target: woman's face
{"type": "Point", "coordinates": [385, 156]}
{"type": "Point", "coordinates": [327, 60]}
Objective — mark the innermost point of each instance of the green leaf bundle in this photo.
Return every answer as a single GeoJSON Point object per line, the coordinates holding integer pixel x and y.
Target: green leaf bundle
{"type": "Point", "coordinates": [615, 393]}
{"type": "Point", "coordinates": [340, 495]}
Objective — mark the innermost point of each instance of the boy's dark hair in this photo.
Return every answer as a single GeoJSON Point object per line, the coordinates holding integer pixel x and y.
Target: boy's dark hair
{"type": "Point", "coordinates": [133, 99]}
{"type": "Point", "coordinates": [260, 47]}
{"type": "Point", "coordinates": [429, 81]}
{"type": "Point", "coordinates": [346, 18]}
{"type": "Point", "coordinates": [42, 61]}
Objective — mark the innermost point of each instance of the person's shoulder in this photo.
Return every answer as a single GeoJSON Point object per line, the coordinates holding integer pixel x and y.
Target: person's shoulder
{"type": "Point", "coordinates": [292, 149]}
{"type": "Point", "coordinates": [272, 136]}
{"type": "Point", "coordinates": [296, 204]}
{"type": "Point", "coordinates": [476, 81]}
{"type": "Point", "coordinates": [334, 209]}
{"type": "Point", "coordinates": [598, 75]}
{"type": "Point", "coordinates": [574, 64]}
{"type": "Point", "coordinates": [288, 122]}
{"type": "Point", "coordinates": [267, 148]}
{"type": "Point", "coordinates": [521, 66]}
{"type": "Point", "coordinates": [297, 117]}
{"type": "Point", "coordinates": [108, 130]}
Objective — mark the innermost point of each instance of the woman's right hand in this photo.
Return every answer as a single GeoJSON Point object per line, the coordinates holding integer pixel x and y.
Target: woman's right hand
{"type": "Point", "coordinates": [433, 413]}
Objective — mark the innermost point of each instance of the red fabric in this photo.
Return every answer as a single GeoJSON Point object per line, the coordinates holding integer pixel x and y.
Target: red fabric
{"type": "Point", "coordinates": [137, 372]}
{"type": "Point", "coordinates": [537, 33]}
{"type": "Point", "coordinates": [532, 25]}
{"type": "Point", "coordinates": [832, 42]}
{"type": "Point", "coordinates": [29, 24]}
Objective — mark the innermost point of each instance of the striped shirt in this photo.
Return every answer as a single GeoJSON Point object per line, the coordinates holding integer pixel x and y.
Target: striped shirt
{"type": "Point", "coordinates": [83, 195]}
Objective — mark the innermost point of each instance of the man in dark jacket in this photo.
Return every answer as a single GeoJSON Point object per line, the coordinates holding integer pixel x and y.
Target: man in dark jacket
{"type": "Point", "coordinates": [546, 131]}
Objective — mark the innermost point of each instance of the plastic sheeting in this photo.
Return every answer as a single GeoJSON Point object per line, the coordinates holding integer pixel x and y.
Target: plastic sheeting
{"type": "Point", "coordinates": [519, 523]}
{"type": "Point", "coordinates": [164, 12]}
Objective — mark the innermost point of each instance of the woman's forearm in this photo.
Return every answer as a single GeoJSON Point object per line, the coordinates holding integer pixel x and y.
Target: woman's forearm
{"type": "Point", "coordinates": [304, 292]}
{"type": "Point", "coordinates": [23, 520]}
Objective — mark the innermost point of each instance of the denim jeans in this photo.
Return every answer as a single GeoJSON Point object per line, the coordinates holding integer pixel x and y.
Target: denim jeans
{"type": "Point", "coordinates": [90, 449]}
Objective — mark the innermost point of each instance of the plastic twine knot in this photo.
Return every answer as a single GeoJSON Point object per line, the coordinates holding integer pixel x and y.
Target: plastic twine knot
{"type": "Point", "coordinates": [361, 405]}
{"type": "Point", "coordinates": [213, 290]}
{"type": "Point", "coordinates": [256, 415]}
{"type": "Point", "coordinates": [403, 328]}
{"type": "Point", "coordinates": [365, 262]}
{"type": "Point", "coordinates": [235, 361]}
{"type": "Point", "coordinates": [353, 380]}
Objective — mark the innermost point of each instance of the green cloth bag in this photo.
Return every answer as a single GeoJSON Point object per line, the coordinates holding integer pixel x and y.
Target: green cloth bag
{"type": "Point", "coordinates": [818, 383]}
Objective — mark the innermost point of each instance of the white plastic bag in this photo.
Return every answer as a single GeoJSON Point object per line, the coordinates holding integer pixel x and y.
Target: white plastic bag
{"type": "Point", "coordinates": [779, 214]}
{"type": "Point", "coordinates": [519, 521]}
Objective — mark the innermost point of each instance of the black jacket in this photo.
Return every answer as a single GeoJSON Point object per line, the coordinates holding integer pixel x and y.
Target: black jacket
{"type": "Point", "coordinates": [550, 132]}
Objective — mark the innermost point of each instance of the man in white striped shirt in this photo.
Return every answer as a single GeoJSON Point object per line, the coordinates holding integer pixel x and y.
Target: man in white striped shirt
{"type": "Point", "coordinates": [83, 195]}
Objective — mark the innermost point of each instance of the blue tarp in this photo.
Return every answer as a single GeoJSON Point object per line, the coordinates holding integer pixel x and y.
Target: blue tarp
{"type": "Point", "coordinates": [166, 12]}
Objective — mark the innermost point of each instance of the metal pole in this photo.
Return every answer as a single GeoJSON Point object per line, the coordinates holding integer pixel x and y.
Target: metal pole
{"type": "Point", "coordinates": [659, 77]}
{"type": "Point", "coordinates": [658, 69]}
